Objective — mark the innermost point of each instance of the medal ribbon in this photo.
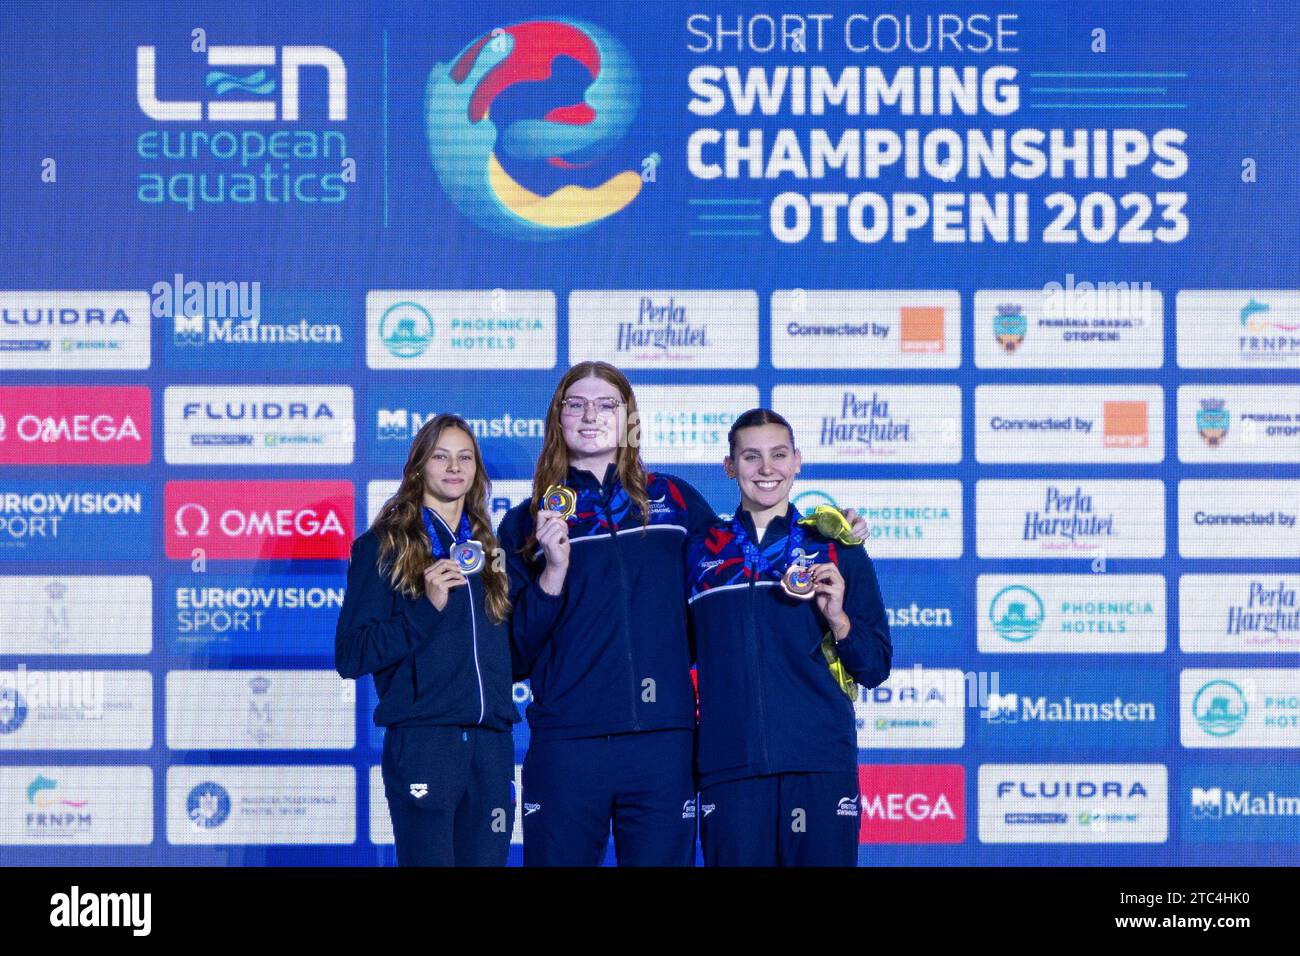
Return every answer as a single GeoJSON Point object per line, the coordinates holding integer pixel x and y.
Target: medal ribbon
{"type": "Point", "coordinates": [755, 560]}
{"type": "Point", "coordinates": [463, 533]}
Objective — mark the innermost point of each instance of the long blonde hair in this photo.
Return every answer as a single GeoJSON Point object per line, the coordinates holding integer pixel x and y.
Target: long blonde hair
{"type": "Point", "coordinates": [403, 542]}
{"type": "Point", "coordinates": [553, 462]}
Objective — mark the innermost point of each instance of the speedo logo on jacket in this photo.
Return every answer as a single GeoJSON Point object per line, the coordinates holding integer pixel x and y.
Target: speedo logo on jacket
{"type": "Point", "coordinates": [610, 654]}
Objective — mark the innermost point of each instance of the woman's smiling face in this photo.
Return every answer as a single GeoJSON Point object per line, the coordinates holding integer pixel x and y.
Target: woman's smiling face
{"type": "Point", "coordinates": [449, 470]}
{"type": "Point", "coordinates": [592, 430]}
{"type": "Point", "coordinates": [764, 465]}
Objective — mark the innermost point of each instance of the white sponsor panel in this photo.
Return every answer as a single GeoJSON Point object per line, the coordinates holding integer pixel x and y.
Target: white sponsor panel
{"type": "Point", "coordinates": [1073, 803]}
{"type": "Point", "coordinates": [873, 424]}
{"type": "Point", "coordinates": [1238, 518]}
{"type": "Point", "coordinates": [1238, 423]}
{"type": "Point", "coordinates": [74, 331]}
{"type": "Point", "coordinates": [506, 493]}
{"type": "Point", "coordinates": [905, 519]}
{"type": "Point", "coordinates": [1070, 325]}
{"type": "Point", "coordinates": [261, 805]}
{"type": "Point", "coordinates": [918, 708]}
{"type": "Point", "coordinates": [1233, 708]}
{"type": "Point", "coordinates": [657, 328]}
{"type": "Point", "coordinates": [688, 424]}
{"type": "Point", "coordinates": [260, 710]}
{"type": "Point", "coordinates": [53, 805]}
{"type": "Point", "coordinates": [460, 329]}
{"type": "Point", "coordinates": [258, 425]}
{"type": "Point", "coordinates": [1257, 328]}
{"type": "Point", "coordinates": [76, 710]}
{"type": "Point", "coordinates": [1239, 613]}
{"type": "Point", "coordinates": [845, 328]}
{"type": "Point", "coordinates": [1070, 518]}
{"type": "Point", "coordinates": [1070, 613]}
{"type": "Point", "coordinates": [76, 614]}
{"type": "Point", "coordinates": [1069, 423]}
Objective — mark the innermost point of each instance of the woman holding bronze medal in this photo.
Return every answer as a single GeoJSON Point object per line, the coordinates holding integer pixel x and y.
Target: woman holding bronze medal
{"type": "Point", "coordinates": [788, 619]}
{"type": "Point", "coordinates": [426, 611]}
{"type": "Point", "coordinates": [596, 560]}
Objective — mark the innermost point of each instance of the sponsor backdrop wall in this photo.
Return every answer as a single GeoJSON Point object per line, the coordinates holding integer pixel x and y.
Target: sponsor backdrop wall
{"type": "Point", "coordinates": [1022, 276]}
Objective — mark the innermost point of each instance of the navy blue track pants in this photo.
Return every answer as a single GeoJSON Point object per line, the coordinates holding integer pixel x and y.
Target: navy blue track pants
{"type": "Point", "coordinates": [641, 783]}
{"type": "Point", "coordinates": [450, 794]}
{"type": "Point", "coordinates": [783, 819]}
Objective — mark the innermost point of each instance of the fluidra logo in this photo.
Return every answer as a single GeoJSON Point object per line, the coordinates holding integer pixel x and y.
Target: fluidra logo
{"type": "Point", "coordinates": [103, 909]}
{"type": "Point", "coordinates": [208, 311]}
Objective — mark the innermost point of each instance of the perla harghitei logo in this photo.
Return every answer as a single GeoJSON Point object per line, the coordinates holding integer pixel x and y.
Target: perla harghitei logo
{"type": "Point", "coordinates": [467, 147]}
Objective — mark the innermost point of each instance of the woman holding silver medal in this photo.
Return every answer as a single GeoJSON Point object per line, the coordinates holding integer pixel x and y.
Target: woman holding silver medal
{"type": "Point", "coordinates": [596, 560]}
{"type": "Point", "coordinates": [426, 611]}
{"type": "Point", "coordinates": [787, 616]}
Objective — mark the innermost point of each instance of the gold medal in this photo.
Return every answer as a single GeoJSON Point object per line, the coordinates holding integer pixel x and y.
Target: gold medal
{"type": "Point", "coordinates": [831, 523]}
{"type": "Point", "coordinates": [561, 499]}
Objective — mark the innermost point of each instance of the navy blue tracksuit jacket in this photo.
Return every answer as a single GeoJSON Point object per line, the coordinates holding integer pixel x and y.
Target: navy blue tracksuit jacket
{"type": "Point", "coordinates": [613, 709]}
{"type": "Point", "coordinates": [620, 620]}
{"type": "Point", "coordinates": [431, 668]}
{"type": "Point", "coordinates": [768, 701]}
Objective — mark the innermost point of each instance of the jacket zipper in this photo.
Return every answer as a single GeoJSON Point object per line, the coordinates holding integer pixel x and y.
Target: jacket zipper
{"type": "Point", "coordinates": [622, 577]}
{"type": "Point", "coordinates": [758, 673]}
{"type": "Point", "coordinates": [473, 629]}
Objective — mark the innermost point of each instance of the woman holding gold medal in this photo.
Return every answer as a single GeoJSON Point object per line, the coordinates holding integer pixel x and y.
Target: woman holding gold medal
{"type": "Point", "coordinates": [787, 616]}
{"type": "Point", "coordinates": [596, 560]}
{"type": "Point", "coordinates": [426, 611]}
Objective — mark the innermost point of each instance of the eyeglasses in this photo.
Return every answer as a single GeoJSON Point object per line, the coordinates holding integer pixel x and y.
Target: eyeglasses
{"type": "Point", "coordinates": [578, 406]}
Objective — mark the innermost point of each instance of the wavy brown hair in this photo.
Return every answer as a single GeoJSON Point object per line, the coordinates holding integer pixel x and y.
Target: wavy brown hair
{"type": "Point", "coordinates": [403, 542]}
{"type": "Point", "coordinates": [553, 462]}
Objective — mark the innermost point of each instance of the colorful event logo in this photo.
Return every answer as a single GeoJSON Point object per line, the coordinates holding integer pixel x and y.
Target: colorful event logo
{"type": "Point", "coordinates": [1212, 421]}
{"type": "Point", "coordinates": [463, 140]}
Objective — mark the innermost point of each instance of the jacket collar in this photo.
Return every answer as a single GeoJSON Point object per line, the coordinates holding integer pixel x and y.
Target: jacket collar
{"type": "Point", "coordinates": [581, 477]}
{"type": "Point", "coordinates": [779, 525]}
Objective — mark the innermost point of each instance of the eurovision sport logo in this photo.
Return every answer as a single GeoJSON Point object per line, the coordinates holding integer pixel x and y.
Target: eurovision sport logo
{"type": "Point", "coordinates": [494, 73]}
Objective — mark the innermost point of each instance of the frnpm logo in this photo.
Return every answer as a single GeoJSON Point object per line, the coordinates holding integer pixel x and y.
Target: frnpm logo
{"type": "Point", "coordinates": [912, 803]}
{"type": "Point", "coordinates": [1073, 803]}
{"type": "Point", "coordinates": [259, 520]}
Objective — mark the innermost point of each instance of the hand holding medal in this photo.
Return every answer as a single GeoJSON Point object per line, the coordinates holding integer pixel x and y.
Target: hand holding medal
{"type": "Point", "coordinates": [552, 532]}
{"type": "Point", "coordinates": [439, 578]}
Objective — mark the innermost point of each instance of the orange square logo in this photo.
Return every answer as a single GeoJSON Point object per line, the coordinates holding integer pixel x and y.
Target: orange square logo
{"type": "Point", "coordinates": [1124, 424]}
{"type": "Point", "coordinates": [920, 328]}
